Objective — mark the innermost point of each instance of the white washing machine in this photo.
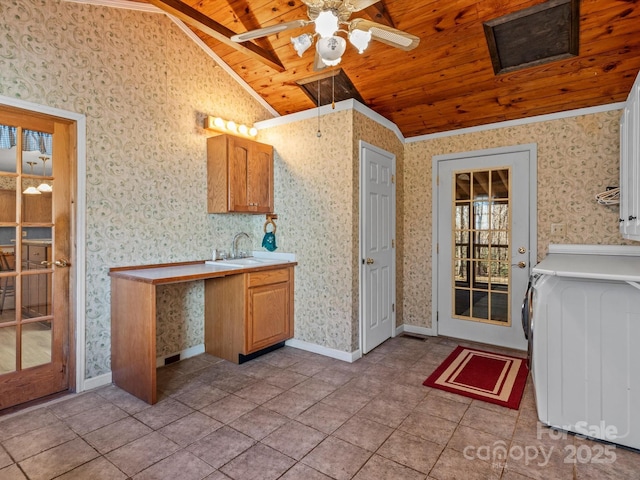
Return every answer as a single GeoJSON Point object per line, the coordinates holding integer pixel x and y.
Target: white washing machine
{"type": "Point", "coordinates": [582, 317]}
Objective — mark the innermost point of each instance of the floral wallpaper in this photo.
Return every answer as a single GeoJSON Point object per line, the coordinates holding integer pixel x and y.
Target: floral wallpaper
{"type": "Point", "coordinates": [373, 133]}
{"type": "Point", "coordinates": [577, 158]}
{"type": "Point", "coordinates": [313, 179]}
{"type": "Point", "coordinates": [145, 89]}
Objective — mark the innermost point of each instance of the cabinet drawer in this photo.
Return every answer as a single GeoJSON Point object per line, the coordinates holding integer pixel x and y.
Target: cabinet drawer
{"type": "Point", "coordinates": [269, 276]}
{"type": "Point", "coordinates": [37, 254]}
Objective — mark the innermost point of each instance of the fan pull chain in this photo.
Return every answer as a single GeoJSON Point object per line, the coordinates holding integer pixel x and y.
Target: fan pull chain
{"type": "Point", "coordinates": [318, 133]}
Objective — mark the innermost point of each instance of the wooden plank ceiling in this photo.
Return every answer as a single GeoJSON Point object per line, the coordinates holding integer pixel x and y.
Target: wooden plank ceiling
{"type": "Point", "coordinates": [448, 81]}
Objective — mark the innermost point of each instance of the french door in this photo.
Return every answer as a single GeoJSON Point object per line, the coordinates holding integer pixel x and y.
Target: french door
{"type": "Point", "coordinates": [36, 156]}
{"type": "Point", "coordinates": [484, 245]}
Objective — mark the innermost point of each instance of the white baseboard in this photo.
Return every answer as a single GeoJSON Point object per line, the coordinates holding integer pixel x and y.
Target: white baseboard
{"type": "Point", "coordinates": [106, 379]}
{"type": "Point", "coordinates": [429, 331]}
{"type": "Point", "coordinates": [95, 382]}
{"type": "Point", "coordinates": [326, 351]}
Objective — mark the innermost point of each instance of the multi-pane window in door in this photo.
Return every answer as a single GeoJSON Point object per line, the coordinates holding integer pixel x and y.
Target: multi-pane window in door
{"type": "Point", "coordinates": [26, 231]}
{"type": "Point", "coordinates": [481, 245]}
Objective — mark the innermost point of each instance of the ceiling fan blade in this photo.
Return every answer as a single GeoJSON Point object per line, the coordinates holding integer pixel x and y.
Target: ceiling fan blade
{"type": "Point", "coordinates": [362, 4]}
{"type": "Point", "coordinates": [388, 35]}
{"type": "Point", "coordinates": [319, 4]}
{"type": "Point", "coordinates": [266, 31]}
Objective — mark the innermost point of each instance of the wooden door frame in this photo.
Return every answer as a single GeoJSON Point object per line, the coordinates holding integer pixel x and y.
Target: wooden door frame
{"type": "Point", "coordinates": [532, 148]}
{"type": "Point", "coordinates": [361, 246]}
{"type": "Point", "coordinates": [77, 291]}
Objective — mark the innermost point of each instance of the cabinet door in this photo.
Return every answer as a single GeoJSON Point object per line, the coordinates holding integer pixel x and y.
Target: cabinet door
{"type": "Point", "coordinates": [630, 165]}
{"type": "Point", "coordinates": [269, 308]}
{"type": "Point", "coordinates": [260, 179]}
{"type": "Point", "coordinates": [238, 174]}
{"type": "Point", "coordinates": [250, 176]}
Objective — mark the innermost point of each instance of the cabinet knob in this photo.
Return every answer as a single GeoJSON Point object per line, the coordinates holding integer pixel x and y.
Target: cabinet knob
{"type": "Point", "coordinates": [632, 217]}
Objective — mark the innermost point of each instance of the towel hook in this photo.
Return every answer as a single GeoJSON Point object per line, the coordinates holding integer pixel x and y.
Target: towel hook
{"type": "Point", "coordinates": [270, 221]}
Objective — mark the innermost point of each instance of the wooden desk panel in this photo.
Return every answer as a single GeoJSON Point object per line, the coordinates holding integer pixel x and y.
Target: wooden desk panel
{"type": "Point", "coordinates": [133, 316]}
{"type": "Point", "coordinates": [133, 337]}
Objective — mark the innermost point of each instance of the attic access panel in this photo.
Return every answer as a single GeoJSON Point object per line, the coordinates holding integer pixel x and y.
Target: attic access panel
{"type": "Point", "coordinates": [332, 85]}
{"type": "Point", "coordinates": [534, 36]}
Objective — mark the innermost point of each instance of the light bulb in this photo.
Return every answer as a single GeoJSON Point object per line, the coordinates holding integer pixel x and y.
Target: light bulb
{"type": "Point", "coordinates": [243, 129]}
{"type": "Point", "coordinates": [218, 122]}
{"type": "Point", "coordinates": [231, 126]}
{"type": "Point", "coordinates": [253, 131]}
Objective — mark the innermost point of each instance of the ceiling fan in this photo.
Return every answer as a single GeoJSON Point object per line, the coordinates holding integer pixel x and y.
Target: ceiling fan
{"type": "Point", "coordinates": [331, 17]}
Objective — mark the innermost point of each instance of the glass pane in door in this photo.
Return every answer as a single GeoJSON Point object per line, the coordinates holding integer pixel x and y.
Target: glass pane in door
{"type": "Point", "coordinates": [36, 343]}
{"type": "Point", "coordinates": [481, 250]}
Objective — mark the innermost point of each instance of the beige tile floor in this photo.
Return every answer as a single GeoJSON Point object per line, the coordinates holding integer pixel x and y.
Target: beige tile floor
{"type": "Point", "coordinates": [296, 415]}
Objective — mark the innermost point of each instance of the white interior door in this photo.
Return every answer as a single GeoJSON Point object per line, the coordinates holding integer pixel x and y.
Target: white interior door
{"type": "Point", "coordinates": [377, 232]}
{"type": "Point", "coordinates": [485, 244]}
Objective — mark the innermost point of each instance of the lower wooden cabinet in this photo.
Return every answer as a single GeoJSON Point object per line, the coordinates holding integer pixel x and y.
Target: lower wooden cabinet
{"type": "Point", "coordinates": [246, 313]}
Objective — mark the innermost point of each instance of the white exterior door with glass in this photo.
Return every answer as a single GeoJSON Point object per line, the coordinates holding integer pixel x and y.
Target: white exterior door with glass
{"type": "Point", "coordinates": [485, 243]}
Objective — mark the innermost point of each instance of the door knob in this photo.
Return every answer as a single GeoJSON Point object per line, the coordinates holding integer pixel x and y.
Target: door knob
{"type": "Point", "coordinates": [63, 262]}
{"type": "Point", "coordinates": [369, 261]}
{"type": "Point", "coordinates": [519, 264]}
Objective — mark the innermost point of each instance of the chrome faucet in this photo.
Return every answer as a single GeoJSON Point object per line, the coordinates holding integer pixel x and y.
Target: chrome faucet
{"type": "Point", "coordinates": [234, 244]}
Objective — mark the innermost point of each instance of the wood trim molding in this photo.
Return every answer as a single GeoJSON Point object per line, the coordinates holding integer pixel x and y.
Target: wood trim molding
{"type": "Point", "coordinates": [216, 30]}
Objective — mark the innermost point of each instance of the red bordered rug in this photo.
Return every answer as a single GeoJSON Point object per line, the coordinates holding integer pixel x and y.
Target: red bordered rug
{"type": "Point", "coordinates": [487, 376]}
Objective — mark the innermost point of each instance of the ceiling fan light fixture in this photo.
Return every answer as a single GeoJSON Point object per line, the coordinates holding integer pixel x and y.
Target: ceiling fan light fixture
{"type": "Point", "coordinates": [360, 39]}
{"type": "Point", "coordinates": [331, 49]}
{"type": "Point", "coordinates": [326, 23]}
{"type": "Point", "coordinates": [302, 42]}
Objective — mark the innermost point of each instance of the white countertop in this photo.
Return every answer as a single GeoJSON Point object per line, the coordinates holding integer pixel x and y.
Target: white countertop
{"type": "Point", "coordinates": [598, 262]}
{"type": "Point", "coordinates": [189, 271]}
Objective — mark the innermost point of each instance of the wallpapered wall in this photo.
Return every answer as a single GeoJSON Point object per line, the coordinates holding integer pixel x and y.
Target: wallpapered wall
{"type": "Point", "coordinates": [145, 89]}
{"type": "Point", "coordinates": [577, 158]}
{"type": "Point", "coordinates": [313, 183]}
{"type": "Point", "coordinates": [372, 132]}
{"type": "Point", "coordinates": [317, 192]}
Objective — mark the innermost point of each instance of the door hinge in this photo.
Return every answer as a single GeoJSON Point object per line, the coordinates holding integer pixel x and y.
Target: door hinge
{"type": "Point", "coordinates": [437, 248]}
{"type": "Point", "coordinates": [437, 180]}
{"type": "Point", "coordinates": [393, 307]}
{"type": "Point", "coordinates": [393, 243]}
{"type": "Point", "coordinates": [437, 316]}
{"type": "Point", "coordinates": [393, 179]}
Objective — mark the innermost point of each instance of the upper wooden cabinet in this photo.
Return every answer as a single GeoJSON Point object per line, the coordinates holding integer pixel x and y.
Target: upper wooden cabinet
{"type": "Point", "coordinates": [239, 175]}
{"type": "Point", "coordinates": [630, 165]}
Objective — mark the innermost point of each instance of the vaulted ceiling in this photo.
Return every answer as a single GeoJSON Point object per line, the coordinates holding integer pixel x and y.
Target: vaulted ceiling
{"type": "Point", "coordinates": [448, 82]}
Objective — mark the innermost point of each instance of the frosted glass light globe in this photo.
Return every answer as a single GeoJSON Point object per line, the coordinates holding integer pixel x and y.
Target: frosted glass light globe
{"type": "Point", "coordinates": [331, 49]}
{"type": "Point", "coordinates": [326, 23]}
